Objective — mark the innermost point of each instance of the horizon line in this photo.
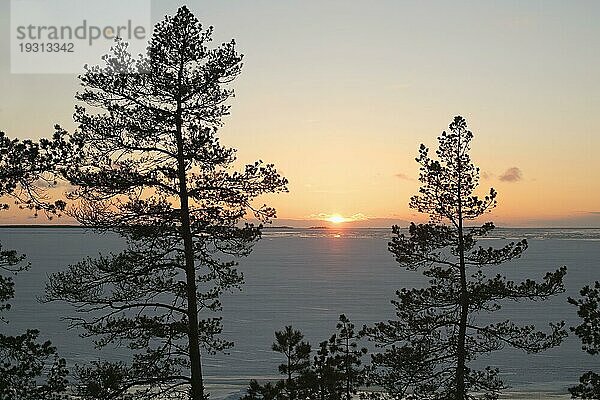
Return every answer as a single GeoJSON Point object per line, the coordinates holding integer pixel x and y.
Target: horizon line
{"type": "Point", "coordinates": [53, 226]}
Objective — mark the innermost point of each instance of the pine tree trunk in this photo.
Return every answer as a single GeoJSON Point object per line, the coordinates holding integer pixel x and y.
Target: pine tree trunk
{"type": "Point", "coordinates": [348, 396]}
{"type": "Point", "coordinates": [197, 384]}
{"type": "Point", "coordinates": [462, 328]}
{"type": "Point", "coordinates": [464, 301]}
{"type": "Point", "coordinates": [192, 308]}
{"type": "Point", "coordinates": [292, 392]}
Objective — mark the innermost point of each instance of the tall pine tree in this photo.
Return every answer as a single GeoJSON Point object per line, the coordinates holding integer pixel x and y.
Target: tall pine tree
{"type": "Point", "coordinates": [428, 348]}
{"type": "Point", "coordinates": [152, 169]}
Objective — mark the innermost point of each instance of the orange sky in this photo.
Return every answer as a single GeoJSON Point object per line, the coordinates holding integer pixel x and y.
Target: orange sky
{"type": "Point", "coordinates": [340, 95]}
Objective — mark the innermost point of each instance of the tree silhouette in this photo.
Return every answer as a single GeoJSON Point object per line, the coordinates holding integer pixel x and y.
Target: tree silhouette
{"type": "Point", "coordinates": [335, 373]}
{"type": "Point", "coordinates": [588, 309]}
{"type": "Point", "coordinates": [29, 169]}
{"type": "Point", "coordinates": [268, 391]}
{"type": "Point", "coordinates": [325, 378]}
{"type": "Point", "coordinates": [437, 333]}
{"type": "Point", "coordinates": [349, 357]}
{"type": "Point", "coordinates": [297, 356]}
{"type": "Point", "coordinates": [152, 169]}
{"type": "Point", "coordinates": [29, 369]}
{"type": "Point", "coordinates": [288, 342]}
{"type": "Point", "coordinates": [337, 366]}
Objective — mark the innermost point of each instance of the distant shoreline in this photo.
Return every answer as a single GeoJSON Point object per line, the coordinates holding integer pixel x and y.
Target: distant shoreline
{"type": "Point", "coordinates": [285, 227]}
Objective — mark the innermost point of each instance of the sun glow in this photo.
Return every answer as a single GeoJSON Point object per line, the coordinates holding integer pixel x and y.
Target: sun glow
{"type": "Point", "coordinates": [336, 219]}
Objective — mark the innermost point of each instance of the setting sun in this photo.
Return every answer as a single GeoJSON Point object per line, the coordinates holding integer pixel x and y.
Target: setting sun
{"type": "Point", "coordinates": [336, 219]}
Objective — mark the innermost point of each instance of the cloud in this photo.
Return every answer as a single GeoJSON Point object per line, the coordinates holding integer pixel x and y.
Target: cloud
{"type": "Point", "coordinates": [513, 174]}
{"type": "Point", "coordinates": [319, 216]}
{"type": "Point", "coordinates": [359, 217]}
{"type": "Point", "coordinates": [404, 177]}
{"type": "Point", "coordinates": [327, 217]}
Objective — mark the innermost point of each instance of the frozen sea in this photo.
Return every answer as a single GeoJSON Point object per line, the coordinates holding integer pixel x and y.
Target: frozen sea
{"type": "Point", "coordinates": [306, 278]}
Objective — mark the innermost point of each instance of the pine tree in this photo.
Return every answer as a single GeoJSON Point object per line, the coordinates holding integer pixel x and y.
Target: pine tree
{"type": "Point", "coordinates": [427, 349]}
{"type": "Point", "coordinates": [153, 170]}
{"type": "Point", "coordinates": [29, 369]}
{"type": "Point", "coordinates": [289, 342]}
{"type": "Point", "coordinates": [337, 366]}
{"type": "Point", "coordinates": [326, 380]}
{"type": "Point", "coordinates": [349, 357]}
{"type": "Point", "coordinates": [268, 391]}
{"type": "Point", "coordinates": [335, 373]}
{"type": "Point", "coordinates": [588, 309]}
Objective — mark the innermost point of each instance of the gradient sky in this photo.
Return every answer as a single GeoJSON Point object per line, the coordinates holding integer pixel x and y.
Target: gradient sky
{"type": "Point", "coordinates": [339, 95]}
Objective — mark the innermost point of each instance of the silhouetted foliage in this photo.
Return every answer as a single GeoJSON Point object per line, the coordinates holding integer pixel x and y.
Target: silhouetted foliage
{"type": "Point", "coordinates": [289, 343]}
{"type": "Point", "coordinates": [29, 369]}
{"type": "Point", "coordinates": [588, 309]}
{"type": "Point", "coordinates": [335, 373]}
{"type": "Point", "coordinates": [28, 169]}
{"type": "Point", "coordinates": [152, 169]}
{"type": "Point", "coordinates": [296, 352]}
{"type": "Point", "coordinates": [427, 350]}
{"type": "Point", "coordinates": [348, 356]}
{"type": "Point", "coordinates": [268, 391]}
{"type": "Point", "coordinates": [324, 377]}
{"type": "Point", "coordinates": [103, 380]}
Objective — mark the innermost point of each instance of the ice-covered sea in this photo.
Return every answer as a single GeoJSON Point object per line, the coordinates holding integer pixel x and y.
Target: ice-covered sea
{"type": "Point", "coordinates": [307, 277]}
